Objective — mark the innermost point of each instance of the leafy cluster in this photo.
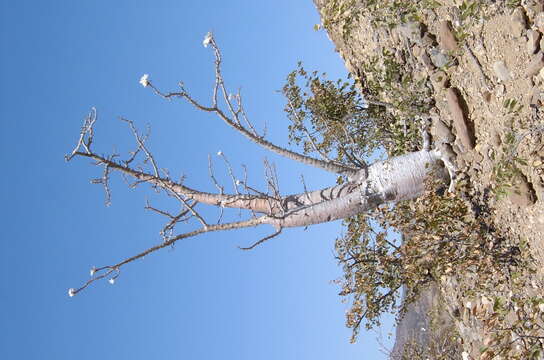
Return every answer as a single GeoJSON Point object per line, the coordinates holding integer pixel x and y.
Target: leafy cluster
{"type": "Point", "coordinates": [408, 98]}
{"type": "Point", "coordinates": [330, 117]}
{"type": "Point", "coordinates": [343, 117]}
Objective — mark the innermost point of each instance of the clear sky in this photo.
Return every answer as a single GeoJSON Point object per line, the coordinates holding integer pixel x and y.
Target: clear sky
{"type": "Point", "coordinates": [205, 299]}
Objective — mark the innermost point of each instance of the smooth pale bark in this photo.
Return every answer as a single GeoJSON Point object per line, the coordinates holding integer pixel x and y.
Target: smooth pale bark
{"type": "Point", "coordinates": [399, 178]}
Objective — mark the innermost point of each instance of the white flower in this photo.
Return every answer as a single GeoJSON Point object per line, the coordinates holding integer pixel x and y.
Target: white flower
{"type": "Point", "coordinates": [144, 80]}
{"type": "Point", "coordinates": [464, 355]}
{"type": "Point", "coordinates": [238, 182]}
{"type": "Point", "coordinates": [111, 281]}
{"type": "Point", "coordinates": [71, 292]}
{"type": "Point", "coordinates": [468, 305]}
{"type": "Point", "coordinates": [93, 270]}
{"type": "Point", "coordinates": [423, 329]}
{"type": "Point", "coordinates": [207, 39]}
{"type": "Point", "coordinates": [219, 153]}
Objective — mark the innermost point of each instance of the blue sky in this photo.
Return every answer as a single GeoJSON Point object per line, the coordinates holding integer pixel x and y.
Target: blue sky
{"type": "Point", "coordinates": [205, 299]}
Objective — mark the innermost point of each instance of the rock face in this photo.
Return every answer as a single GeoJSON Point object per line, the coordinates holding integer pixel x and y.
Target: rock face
{"type": "Point", "coordinates": [446, 37]}
{"type": "Point", "coordinates": [533, 41]}
{"type": "Point", "coordinates": [536, 64]}
{"type": "Point", "coordinates": [460, 122]}
{"type": "Point", "coordinates": [415, 326]}
{"type": "Point", "coordinates": [518, 22]}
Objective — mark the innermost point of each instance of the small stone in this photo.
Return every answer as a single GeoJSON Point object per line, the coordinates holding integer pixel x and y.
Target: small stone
{"type": "Point", "coordinates": [420, 76]}
{"type": "Point", "coordinates": [459, 119]}
{"type": "Point", "coordinates": [501, 71]}
{"type": "Point", "coordinates": [439, 79]}
{"type": "Point", "coordinates": [416, 50]}
{"type": "Point", "coordinates": [537, 163]}
{"type": "Point", "coordinates": [537, 63]}
{"type": "Point", "coordinates": [539, 21]}
{"type": "Point", "coordinates": [439, 58]}
{"type": "Point", "coordinates": [518, 23]}
{"type": "Point", "coordinates": [523, 194]}
{"type": "Point", "coordinates": [441, 132]}
{"type": "Point", "coordinates": [499, 90]}
{"type": "Point", "coordinates": [446, 37]}
{"type": "Point", "coordinates": [399, 56]}
{"type": "Point", "coordinates": [496, 140]}
{"type": "Point", "coordinates": [426, 61]}
{"type": "Point", "coordinates": [536, 95]}
{"type": "Point", "coordinates": [427, 40]}
{"type": "Point", "coordinates": [533, 40]}
{"type": "Point", "coordinates": [478, 158]}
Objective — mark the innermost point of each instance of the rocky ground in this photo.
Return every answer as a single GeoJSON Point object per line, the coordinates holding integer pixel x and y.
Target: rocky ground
{"type": "Point", "coordinates": [482, 65]}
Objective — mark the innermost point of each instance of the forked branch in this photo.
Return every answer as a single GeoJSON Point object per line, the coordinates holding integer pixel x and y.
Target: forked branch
{"type": "Point", "coordinates": [237, 116]}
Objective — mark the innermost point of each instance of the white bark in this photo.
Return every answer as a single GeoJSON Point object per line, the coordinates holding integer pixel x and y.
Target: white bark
{"type": "Point", "coordinates": [399, 178]}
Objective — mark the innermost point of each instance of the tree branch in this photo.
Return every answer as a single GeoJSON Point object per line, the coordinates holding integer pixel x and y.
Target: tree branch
{"type": "Point", "coordinates": [236, 124]}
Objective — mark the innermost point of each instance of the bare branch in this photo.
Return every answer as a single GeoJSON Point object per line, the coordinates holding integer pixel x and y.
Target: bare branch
{"type": "Point", "coordinates": [141, 145]}
{"type": "Point", "coordinates": [116, 268]}
{"type": "Point", "coordinates": [86, 131]}
{"type": "Point", "coordinates": [235, 122]}
{"type": "Point", "coordinates": [251, 247]}
{"type": "Point", "coordinates": [212, 176]}
{"type": "Point", "coordinates": [230, 172]}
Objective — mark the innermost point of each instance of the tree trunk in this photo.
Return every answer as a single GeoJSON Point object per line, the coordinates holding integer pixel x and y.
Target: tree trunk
{"type": "Point", "coordinates": [399, 178]}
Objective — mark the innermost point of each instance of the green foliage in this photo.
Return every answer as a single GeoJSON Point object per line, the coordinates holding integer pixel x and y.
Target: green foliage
{"type": "Point", "coordinates": [513, 3]}
{"type": "Point", "coordinates": [330, 116]}
{"type": "Point", "coordinates": [469, 10]}
{"type": "Point", "coordinates": [385, 78]}
{"type": "Point", "coordinates": [512, 106]}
